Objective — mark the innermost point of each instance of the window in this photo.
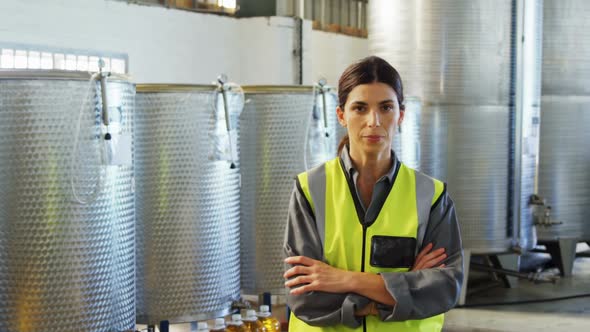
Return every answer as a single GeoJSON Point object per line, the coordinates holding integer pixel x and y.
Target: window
{"type": "Point", "coordinates": [32, 57]}
{"type": "Point", "coordinates": [212, 6]}
{"type": "Point", "coordinates": [340, 16]}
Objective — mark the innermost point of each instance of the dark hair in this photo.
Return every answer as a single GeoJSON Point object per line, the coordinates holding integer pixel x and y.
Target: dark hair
{"type": "Point", "coordinates": [368, 70]}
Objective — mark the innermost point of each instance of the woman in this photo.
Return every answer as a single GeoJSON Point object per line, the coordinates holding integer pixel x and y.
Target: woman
{"type": "Point", "coordinates": [370, 242]}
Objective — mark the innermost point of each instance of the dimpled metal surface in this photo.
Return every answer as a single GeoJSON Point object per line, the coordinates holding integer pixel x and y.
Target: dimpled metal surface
{"type": "Point", "coordinates": [274, 127]}
{"type": "Point", "coordinates": [63, 266]}
{"type": "Point", "coordinates": [188, 209]}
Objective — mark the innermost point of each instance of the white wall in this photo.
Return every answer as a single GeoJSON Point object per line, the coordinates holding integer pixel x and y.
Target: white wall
{"type": "Point", "coordinates": [332, 53]}
{"type": "Point", "coordinates": [176, 46]}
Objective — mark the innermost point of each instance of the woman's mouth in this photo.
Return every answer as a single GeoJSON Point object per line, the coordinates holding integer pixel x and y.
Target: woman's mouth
{"type": "Point", "coordinates": [373, 138]}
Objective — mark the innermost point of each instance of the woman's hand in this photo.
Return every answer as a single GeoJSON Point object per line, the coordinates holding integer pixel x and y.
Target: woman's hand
{"type": "Point", "coordinates": [314, 275]}
{"type": "Point", "coordinates": [370, 309]}
{"type": "Point", "coordinates": [427, 259]}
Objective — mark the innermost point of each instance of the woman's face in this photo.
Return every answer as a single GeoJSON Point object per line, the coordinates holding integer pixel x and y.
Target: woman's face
{"type": "Point", "coordinates": [371, 114]}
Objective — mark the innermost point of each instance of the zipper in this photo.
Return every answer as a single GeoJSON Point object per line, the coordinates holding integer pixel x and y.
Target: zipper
{"type": "Point", "coordinates": [363, 267]}
{"type": "Point", "coordinates": [363, 249]}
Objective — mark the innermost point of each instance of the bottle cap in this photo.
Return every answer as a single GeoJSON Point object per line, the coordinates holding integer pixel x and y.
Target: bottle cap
{"type": "Point", "coordinates": [236, 318]}
{"type": "Point", "coordinates": [219, 324]}
{"type": "Point", "coordinates": [264, 311]}
{"type": "Point", "coordinates": [202, 326]}
{"type": "Point", "coordinates": [251, 314]}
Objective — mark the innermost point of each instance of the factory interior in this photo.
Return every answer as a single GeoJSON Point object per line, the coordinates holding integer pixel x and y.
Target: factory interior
{"type": "Point", "coordinates": [155, 155]}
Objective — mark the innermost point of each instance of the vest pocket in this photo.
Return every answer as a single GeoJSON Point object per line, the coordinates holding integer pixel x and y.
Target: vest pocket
{"type": "Point", "coordinates": [392, 251]}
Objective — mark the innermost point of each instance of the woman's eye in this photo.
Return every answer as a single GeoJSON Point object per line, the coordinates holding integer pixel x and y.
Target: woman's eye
{"type": "Point", "coordinates": [388, 108]}
{"type": "Point", "coordinates": [359, 108]}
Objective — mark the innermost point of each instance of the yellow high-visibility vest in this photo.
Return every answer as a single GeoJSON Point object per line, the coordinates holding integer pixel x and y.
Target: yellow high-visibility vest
{"type": "Point", "coordinates": [347, 244]}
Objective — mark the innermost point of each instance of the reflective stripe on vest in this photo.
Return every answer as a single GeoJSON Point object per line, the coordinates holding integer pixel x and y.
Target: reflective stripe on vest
{"type": "Point", "coordinates": [347, 245]}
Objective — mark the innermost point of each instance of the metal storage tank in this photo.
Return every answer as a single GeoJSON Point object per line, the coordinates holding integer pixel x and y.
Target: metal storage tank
{"type": "Point", "coordinates": [564, 160]}
{"type": "Point", "coordinates": [188, 202]}
{"type": "Point", "coordinates": [66, 259]}
{"type": "Point", "coordinates": [406, 142]}
{"type": "Point", "coordinates": [324, 130]}
{"type": "Point", "coordinates": [479, 116]}
{"type": "Point", "coordinates": [274, 128]}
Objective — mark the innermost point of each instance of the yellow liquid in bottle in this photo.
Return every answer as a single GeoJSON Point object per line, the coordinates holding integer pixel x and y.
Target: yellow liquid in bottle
{"type": "Point", "coordinates": [270, 323]}
{"type": "Point", "coordinates": [255, 326]}
{"type": "Point", "coordinates": [237, 328]}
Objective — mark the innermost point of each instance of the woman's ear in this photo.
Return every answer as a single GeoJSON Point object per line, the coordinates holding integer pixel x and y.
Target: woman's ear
{"type": "Point", "coordinates": [401, 117]}
{"type": "Point", "coordinates": [340, 114]}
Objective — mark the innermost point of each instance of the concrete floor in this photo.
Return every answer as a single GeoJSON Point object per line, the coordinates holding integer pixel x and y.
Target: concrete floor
{"type": "Point", "coordinates": [571, 315]}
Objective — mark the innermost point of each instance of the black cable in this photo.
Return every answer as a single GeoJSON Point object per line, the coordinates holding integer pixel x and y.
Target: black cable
{"type": "Point", "coordinates": [551, 299]}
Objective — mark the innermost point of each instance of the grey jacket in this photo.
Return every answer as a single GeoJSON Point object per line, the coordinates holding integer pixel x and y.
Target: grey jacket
{"type": "Point", "coordinates": [418, 294]}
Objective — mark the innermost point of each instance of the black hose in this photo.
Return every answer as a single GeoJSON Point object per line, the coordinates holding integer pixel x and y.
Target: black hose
{"type": "Point", "coordinates": [551, 299]}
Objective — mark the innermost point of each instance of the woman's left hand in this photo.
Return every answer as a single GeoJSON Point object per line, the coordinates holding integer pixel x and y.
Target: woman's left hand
{"type": "Point", "coordinates": [314, 275]}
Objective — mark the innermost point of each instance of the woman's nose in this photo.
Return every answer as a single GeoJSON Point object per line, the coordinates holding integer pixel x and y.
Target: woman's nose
{"type": "Point", "coordinates": [374, 120]}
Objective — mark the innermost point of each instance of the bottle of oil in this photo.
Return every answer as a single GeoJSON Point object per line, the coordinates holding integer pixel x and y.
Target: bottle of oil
{"type": "Point", "coordinates": [236, 324]}
{"type": "Point", "coordinates": [252, 322]}
{"type": "Point", "coordinates": [268, 321]}
{"type": "Point", "coordinates": [219, 325]}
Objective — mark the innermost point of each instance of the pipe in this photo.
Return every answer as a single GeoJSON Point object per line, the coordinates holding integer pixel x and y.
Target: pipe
{"type": "Point", "coordinates": [221, 80]}
{"type": "Point", "coordinates": [103, 95]}
{"type": "Point", "coordinates": [323, 89]}
{"type": "Point", "coordinates": [531, 276]}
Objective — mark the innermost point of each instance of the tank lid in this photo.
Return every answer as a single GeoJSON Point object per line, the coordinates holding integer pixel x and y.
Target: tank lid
{"type": "Point", "coordinates": [16, 74]}
{"type": "Point", "coordinates": [260, 89]}
{"type": "Point", "coordinates": [167, 88]}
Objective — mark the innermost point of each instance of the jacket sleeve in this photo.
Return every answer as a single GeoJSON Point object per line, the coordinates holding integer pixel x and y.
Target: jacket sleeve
{"type": "Point", "coordinates": [425, 293]}
{"type": "Point", "coordinates": [302, 239]}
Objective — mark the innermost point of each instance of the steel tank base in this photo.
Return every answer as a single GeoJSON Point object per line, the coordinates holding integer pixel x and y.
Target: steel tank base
{"type": "Point", "coordinates": [143, 319]}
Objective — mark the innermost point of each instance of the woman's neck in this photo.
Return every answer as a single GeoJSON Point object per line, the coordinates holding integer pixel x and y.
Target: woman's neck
{"type": "Point", "coordinates": [371, 167]}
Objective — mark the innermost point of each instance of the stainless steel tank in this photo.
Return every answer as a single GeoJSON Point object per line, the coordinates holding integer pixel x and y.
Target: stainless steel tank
{"type": "Point", "coordinates": [66, 266]}
{"type": "Point", "coordinates": [466, 147]}
{"type": "Point", "coordinates": [564, 166]}
{"type": "Point", "coordinates": [444, 49]}
{"type": "Point", "coordinates": [564, 161]}
{"type": "Point", "coordinates": [324, 130]}
{"type": "Point", "coordinates": [188, 203]}
{"type": "Point", "coordinates": [406, 142]}
{"type": "Point", "coordinates": [273, 135]}
{"type": "Point", "coordinates": [479, 105]}
{"type": "Point", "coordinates": [566, 54]}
